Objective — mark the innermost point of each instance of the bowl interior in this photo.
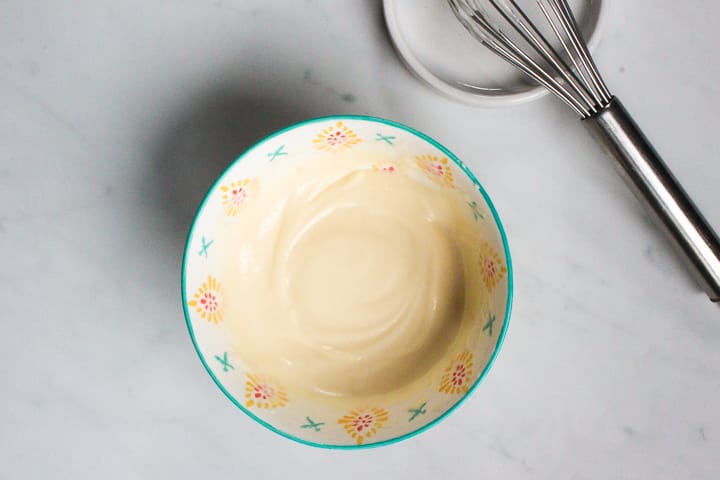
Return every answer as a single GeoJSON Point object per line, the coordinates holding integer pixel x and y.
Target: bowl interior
{"type": "Point", "coordinates": [333, 424]}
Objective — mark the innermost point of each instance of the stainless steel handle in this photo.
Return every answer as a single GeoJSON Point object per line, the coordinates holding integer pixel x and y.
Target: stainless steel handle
{"type": "Point", "coordinates": [658, 189]}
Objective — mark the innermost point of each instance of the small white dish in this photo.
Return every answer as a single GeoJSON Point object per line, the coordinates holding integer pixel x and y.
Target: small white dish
{"type": "Point", "coordinates": [437, 49]}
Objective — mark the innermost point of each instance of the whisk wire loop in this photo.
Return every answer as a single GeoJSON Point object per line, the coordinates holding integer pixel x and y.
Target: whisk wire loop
{"type": "Point", "coordinates": [576, 81]}
{"type": "Point", "coordinates": [574, 55]}
{"type": "Point", "coordinates": [476, 21]}
{"type": "Point", "coordinates": [520, 22]}
{"type": "Point", "coordinates": [588, 62]}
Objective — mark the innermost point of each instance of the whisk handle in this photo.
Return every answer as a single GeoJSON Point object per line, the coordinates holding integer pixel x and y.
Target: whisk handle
{"type": "Point", "coordinates": [657, 188]}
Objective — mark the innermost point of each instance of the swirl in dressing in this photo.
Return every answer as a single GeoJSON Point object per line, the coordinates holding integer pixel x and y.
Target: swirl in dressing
{"type": "Point", "coordinates": [345, 280]}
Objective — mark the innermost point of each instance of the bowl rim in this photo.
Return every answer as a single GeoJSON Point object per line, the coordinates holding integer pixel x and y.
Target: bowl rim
{"type": "Point", "coordinates": [498, 223]}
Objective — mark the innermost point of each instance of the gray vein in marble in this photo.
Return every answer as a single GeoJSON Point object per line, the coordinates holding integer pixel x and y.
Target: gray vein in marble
{"type": "Point", "coordinates": [500, 449]}
{"type": "Point", "coordinates": [46, 109]}
{"type": "Point", "coordinates": [309, 79]}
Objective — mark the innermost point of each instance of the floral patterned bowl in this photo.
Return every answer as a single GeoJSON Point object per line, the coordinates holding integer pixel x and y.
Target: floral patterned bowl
{"type": "Point", "coordinates": [342, 424]}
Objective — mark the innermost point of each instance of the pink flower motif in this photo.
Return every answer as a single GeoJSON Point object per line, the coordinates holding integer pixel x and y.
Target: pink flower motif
{"type": "Point", "coordinates": [336, 136]}
{"type": "Point", "coordinates": [206, 301]}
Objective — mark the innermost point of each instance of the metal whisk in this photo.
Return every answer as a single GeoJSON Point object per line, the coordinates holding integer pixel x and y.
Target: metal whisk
{"type": "Point", "coordinates": [569, 72]}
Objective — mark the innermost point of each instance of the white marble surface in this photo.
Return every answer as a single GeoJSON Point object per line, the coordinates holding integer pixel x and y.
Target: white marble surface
{"type": "Point", "coordinates": [114, 117]}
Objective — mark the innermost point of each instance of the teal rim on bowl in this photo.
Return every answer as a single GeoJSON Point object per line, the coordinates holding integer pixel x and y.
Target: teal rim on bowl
{"type": "Point", "coordinates": [295, 418]}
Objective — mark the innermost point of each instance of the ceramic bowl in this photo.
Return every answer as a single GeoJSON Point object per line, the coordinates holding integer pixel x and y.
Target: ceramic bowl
{"type": "Point", "coordinates": [343, 424]}
{"type": "Point", "coordinates": [436, 48]}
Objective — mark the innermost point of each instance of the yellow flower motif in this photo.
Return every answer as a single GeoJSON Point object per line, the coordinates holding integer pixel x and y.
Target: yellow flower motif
{"type": "Point", "coordinates": [363, 423]}
{"type": "Point", "coordinates": [206, 301]}
{"type": "Point", "coordinates": [335, 137]}
{"type": "Point", "coordinates": [491, 267]}
{"type": "Point", "coordinates": [263, 392]}
{"type": "Point", "coordinates": [458, 374]}
{"type": "Point", "coordinates": [235, 194]}
{"type": "Point", "coordinates": [437, 169]}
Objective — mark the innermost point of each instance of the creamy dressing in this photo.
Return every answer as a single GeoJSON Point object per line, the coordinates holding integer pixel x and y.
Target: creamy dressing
{"type": "Point", "coordinates": [346, 280]}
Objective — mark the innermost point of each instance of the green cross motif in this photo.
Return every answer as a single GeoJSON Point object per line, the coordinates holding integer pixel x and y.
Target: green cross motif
{"type": "Point", "coordinates": [224, 362]}
{"type": "Point", "coordinates": [416, 412]}
{"type": "Point", "coordinates": [475, 209]}
{"type": "Point", "coordinates": [315, 426]}
{"type": "Point", "coordinates": [489, 325]}
{"type": "Point", "coordinates": [277, 153]}
{"type": "Point", "coordinates": [384, 138]}
{"type": "Point", "coordinates": [205, 246]}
